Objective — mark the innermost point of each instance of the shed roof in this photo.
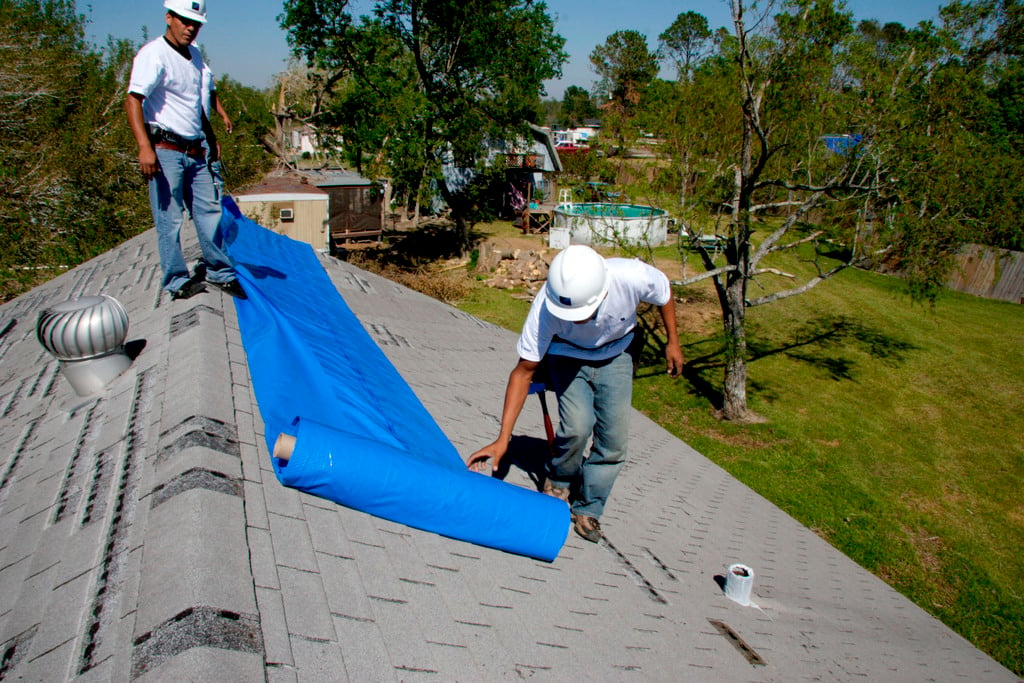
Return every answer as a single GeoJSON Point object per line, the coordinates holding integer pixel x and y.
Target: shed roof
{"type": "Point", "coordinates": [144, 534]}
{"type": "Point", "coordinates": [283, 184]}
{"type": "Point", "coordinates": [337, 178]}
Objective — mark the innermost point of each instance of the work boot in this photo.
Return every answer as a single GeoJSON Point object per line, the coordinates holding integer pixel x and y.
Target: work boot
{"type": "Point", "coordinates": [187, 290]}
{"type": "Point", "coordinates": [231, 288]}
{"type": "Point", "coordinates": [556, 491]}
{"type": "Point", "coordinates": [587, 527]}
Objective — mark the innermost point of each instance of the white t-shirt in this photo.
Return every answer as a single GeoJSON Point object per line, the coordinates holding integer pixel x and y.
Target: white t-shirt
{"type": "Point", "coordinates": [176, 90]}
{"type": "Point", "coordinates": [631, 282]}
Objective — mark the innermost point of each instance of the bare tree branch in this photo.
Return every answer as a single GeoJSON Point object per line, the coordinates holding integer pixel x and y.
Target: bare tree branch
{"type": "Point", "coordinates": [703, 276]}
{"type": "Point", "coordinates": [766, 247]}
{"type": "Point", "coordinates": [810, 284]}
{"type": "Point", "coordinates": [789, 245]}
{"type": "Point", "coordinates": [775, 205]}
{"type": "Point", "coordinates": [773, 271]}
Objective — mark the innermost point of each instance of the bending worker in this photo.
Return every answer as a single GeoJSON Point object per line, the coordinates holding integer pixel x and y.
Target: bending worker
{"type": "Point", "coordinates": [583, 326]}
{"type": "Point", "coordinates": [170, 96]}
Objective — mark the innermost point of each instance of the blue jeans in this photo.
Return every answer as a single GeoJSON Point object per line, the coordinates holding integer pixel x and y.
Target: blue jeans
{"type": "Point", "coordinates": [594, 398]}
{"type": "Point", "coordinates": [186, 182]}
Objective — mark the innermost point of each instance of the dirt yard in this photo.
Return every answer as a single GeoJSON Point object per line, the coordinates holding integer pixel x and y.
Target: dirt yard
{"type": "Point", "coordinates": [521, 261]}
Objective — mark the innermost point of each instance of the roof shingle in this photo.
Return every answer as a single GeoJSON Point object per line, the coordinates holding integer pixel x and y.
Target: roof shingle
{"type": "Point", "coordinates": [143, 533]}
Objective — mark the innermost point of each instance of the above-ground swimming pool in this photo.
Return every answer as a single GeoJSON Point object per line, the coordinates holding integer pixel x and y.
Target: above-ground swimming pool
{"type": "Point", "coordinates": [604, 224]}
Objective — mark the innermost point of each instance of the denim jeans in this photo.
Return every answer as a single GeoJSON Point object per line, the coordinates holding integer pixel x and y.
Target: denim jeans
{"type": "Point", "coordinates": [594, 398]}
{"type": "Point", "coordinates": [186, 182]}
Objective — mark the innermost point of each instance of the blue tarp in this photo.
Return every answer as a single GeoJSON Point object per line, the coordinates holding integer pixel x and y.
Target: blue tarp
{"type": "Point", "coordinates": [364, 440]}
{"type": "Point", "coordinates": [842, 144]}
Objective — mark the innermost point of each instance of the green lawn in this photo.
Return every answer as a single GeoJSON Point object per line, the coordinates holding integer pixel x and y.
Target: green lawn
{"type": "Point", "coordinates": [894, 430]}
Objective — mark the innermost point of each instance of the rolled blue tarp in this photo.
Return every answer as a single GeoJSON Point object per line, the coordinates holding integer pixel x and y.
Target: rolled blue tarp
{"type": "Point", "coordinates": [363, 438]}
{"type": "Point", "coordinates": [337, 465]}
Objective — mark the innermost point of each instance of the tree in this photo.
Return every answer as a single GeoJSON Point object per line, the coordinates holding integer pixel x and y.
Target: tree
{"type": "Point", "coordinates": [783, 90]}
{"type": "Point", "coordinates": [69, 188]}
{"type": "Point", "coordinates": [247, 151]}
{"type": "Point", "coordinates": [425, 84]}
{"type": "Point", "coordinates": [577, 107]}
{"type": "Point", "coordinates": [685, 41]}
{"type": "Point", "coordinates": [891, 142]}
{"type": "Point", "coordinates": [626, 67]}
{"type": "Point", "coordinates": [938, 99]}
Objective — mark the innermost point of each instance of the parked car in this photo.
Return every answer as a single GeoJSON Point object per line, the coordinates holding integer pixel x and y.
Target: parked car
{"type": "Point", "coordinates": [570, 147]}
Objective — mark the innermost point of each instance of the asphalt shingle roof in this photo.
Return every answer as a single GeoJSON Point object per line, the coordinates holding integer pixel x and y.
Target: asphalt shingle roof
{"type": "Point", "coordinates": [143, 534]}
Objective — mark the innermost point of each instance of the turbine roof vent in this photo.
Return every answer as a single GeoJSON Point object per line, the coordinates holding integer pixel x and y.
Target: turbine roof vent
{"type": "Point", "coordinates": [87, 337]}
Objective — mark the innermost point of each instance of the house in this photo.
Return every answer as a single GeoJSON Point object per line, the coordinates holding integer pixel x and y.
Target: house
{"type": "Point", "coordinates": [575, 138]}
{"type": "Point", "coordinates": [303, 141]}
{"type": "Point", "coordinates": [533, 173]}
{"type": "Point", "coordinates": [530, 165]}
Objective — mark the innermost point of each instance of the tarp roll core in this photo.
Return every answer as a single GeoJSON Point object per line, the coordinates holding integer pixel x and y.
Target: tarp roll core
{"type": "Point", "coordinates": [362, 437]}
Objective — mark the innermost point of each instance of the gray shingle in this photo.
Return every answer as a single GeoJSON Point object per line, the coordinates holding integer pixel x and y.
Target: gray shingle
{"type": "Point", "coordinates": [143, 532]}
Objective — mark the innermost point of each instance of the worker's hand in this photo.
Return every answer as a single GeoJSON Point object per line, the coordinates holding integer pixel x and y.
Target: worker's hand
{"type": "Point", "coordinates": [149, 166]}
{"type": "Point", "coordinates": [495, 452]}
{"type": "Point", "coordinates": [674, 360]}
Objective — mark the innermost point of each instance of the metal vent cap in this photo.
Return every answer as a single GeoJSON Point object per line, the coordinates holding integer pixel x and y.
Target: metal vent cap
{"type": "Point", "coordinates": [87, 337]}
{"type": "Point", "coordinates": [85, 328]}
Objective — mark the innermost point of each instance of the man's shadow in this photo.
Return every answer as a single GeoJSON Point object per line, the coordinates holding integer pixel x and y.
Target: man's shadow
{"type": "Point", "coordinates": [529, 454]}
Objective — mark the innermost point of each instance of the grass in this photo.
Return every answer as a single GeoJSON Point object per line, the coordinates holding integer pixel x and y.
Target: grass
{"type": "Point", "coordinates": [893, 430]}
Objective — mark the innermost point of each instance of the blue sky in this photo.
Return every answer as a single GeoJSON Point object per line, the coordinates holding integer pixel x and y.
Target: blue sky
{"type": "Point", "coordinates": [244, 41]}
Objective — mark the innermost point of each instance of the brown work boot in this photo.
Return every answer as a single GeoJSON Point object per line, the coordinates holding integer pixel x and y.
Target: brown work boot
{"type": "Point", "coordinates": [587, 527]}
{"type": "Point", "coordinates": [556, 491]}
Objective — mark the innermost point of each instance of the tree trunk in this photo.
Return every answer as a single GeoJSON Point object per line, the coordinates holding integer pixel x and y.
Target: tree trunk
{"type": "Point", "coordinates": [734, 391]}
{"type": "Point", "coordinates": [686, 178]}
{"type": "Point", "coordinates": [456, 203]}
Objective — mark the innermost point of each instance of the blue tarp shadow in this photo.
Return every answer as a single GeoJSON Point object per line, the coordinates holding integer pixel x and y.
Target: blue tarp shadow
{"type": "Point", "coordinates": [363, 438]}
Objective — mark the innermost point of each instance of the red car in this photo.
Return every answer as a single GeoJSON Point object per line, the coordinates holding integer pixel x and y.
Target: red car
{"type": "Point", "coordinates": [570, 147]}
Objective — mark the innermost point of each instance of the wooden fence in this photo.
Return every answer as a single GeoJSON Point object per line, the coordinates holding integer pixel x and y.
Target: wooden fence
{"type": "Point", "coordinates": [990, 273]}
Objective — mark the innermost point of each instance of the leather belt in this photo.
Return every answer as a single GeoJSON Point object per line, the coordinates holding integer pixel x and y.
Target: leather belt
{"type": "Point", "coordinates": [195, 150]}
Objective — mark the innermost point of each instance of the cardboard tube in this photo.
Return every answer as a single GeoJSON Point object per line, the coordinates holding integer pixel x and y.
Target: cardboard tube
{"type": "Point", "coordinates": [284, 447]}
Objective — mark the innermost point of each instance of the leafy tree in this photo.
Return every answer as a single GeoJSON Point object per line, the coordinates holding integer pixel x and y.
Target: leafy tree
{"type": "Point", "coordinates": [549, 112]}
{"type": "Point", "coordinates": [577, 107]}
{"type": "Point", "coordinates": [938, 100]}
{"type": "Point", "coordinates": [69, 191]}
{"type": "Point", "coordinates": [685, 41]}
{"type": "Point", "coordinates": [247, 150]}
{"type": "Point", "coordinates": [927, 156]}
{"type": "Point", "coordinates": [425, 84]}
{"type": "Point", "coordinates": [777, 163]}
{"type": "Point", "coordinates": [626, 67]}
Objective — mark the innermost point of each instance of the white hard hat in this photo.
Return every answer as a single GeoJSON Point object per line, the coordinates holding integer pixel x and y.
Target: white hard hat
{"type": "Point", "coordinates": [190, 9]}
{"type": "Point", "coordinates": [577, 283]}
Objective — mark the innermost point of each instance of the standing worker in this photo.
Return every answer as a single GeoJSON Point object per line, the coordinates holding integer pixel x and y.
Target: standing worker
{"type": "Point", "coordinates": [582, 327]}
{"type": "Point", "coordinates": [170, 95]}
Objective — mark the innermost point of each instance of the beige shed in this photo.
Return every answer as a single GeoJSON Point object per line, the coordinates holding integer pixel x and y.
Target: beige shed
{"type": "Point", "coordinates": [289, 206]}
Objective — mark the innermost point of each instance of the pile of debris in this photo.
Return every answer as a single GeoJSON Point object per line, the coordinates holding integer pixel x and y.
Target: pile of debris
{"type": "Point", "coordinates": [514, 268]}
